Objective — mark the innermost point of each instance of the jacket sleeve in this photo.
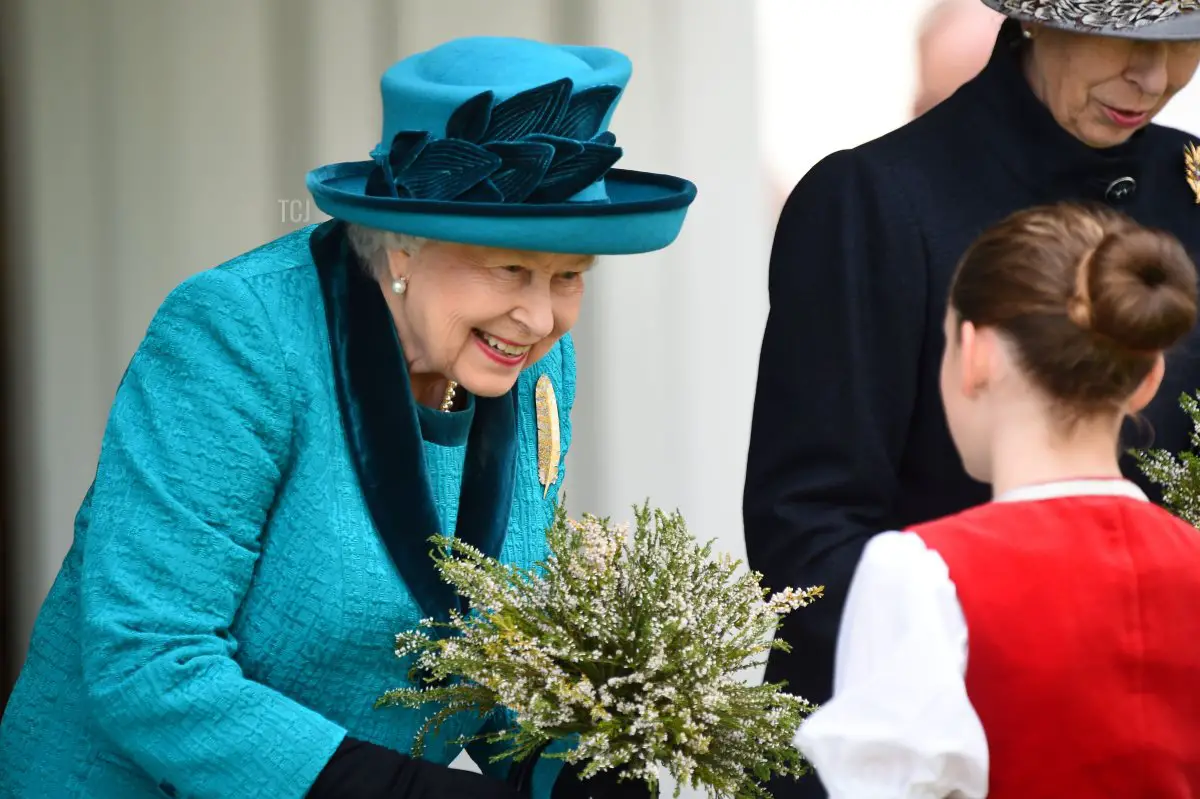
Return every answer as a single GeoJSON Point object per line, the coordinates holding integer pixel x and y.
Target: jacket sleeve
{"type": "Point", "coordinates": [837, 381]}
{"type": "Point", "coordinates": [363, 770]}
{"type": "Point", "coordinates": [196, 443]}
{"type": "Point", "coordinates": [900, 724]}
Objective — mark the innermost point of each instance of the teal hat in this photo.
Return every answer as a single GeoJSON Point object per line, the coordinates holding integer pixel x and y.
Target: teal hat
{"type": "Point", "coordinates": [504, 142]}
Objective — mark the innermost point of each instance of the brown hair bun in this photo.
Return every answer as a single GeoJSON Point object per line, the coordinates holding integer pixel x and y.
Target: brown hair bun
{"type": "Point", "coordinates": [1088, 297]}
{"type": "Point", "coordinates": [1141, 285]}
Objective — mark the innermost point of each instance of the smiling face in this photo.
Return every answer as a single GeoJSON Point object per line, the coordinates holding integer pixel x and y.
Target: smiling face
{"type": "Point", "coordinates": [1102, 89]}
{"type": "Point", "coordinates": [479, 315]}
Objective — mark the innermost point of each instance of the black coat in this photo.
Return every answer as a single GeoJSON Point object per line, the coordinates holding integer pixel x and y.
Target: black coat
{"type": "Point", "coordinates": [849, 436]}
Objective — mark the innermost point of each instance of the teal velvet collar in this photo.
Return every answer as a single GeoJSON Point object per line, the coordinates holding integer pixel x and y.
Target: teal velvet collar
{"type": "Point", "coordinates": [383, 431]}
{"type": "Point", "coordinates": [447, 429]}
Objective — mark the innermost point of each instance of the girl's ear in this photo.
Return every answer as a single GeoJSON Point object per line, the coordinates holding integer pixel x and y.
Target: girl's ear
{"type": "Point", "coordinates": [1149, 385]}
{"type": "Point", "coordinates": [974, 352]}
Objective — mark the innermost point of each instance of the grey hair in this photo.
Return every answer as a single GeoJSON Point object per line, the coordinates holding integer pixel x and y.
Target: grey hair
{"type": "Point", "coordinates": [371, 245]}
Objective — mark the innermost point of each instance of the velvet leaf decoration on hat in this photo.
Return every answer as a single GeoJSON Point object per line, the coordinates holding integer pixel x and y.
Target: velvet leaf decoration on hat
{"type": "Point", "coordinates": [535, 110]}
{"type": "Point", "coordinates": [542, 145]}
{"type": "Point", "coordinates": [524, 166]}
{"type": "Point", "coordinates": [586, 112]}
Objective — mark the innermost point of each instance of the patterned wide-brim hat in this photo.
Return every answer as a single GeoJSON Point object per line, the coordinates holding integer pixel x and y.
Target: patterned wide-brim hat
{"type": "Point", "coordinates": [1157, 20]}
{"type": "Point", "coordinates": [504, 142]}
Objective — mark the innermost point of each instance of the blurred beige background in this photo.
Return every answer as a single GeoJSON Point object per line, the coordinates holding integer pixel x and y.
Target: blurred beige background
{"type": "Point", "coordinates": [146, 140]}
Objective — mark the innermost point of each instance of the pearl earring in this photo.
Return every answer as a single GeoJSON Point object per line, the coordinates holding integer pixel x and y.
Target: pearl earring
{"type": "Point", "coordinates": [1028, 34]}
{"type": "Point", "coordinates": [399, 285]}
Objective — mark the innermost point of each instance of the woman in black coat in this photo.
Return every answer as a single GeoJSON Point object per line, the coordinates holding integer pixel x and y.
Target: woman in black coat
{"type": "Point", "coordinates": [848, 437]}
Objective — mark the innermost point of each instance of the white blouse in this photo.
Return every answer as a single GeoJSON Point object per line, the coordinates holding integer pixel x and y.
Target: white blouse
{"type": "Point", "coordinates": [900, 724]}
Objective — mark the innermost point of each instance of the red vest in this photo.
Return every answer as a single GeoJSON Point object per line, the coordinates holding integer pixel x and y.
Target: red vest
{"type": "Point", "coordinates": [1083, 619]}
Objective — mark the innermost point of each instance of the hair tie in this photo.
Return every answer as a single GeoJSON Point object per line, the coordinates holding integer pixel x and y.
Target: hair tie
{"type": "Point", "coordinates": [1079, 307]}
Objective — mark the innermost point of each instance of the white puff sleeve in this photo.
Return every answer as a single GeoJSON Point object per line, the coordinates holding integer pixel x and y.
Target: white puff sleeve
{"type": "Point", "coordinates": [899, 724]}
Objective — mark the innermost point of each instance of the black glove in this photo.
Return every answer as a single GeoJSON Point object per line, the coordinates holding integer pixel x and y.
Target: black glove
{"type": "Point", "coordinates": [604, 785]}
{"type": "Point", "coordinates": [361, 770]}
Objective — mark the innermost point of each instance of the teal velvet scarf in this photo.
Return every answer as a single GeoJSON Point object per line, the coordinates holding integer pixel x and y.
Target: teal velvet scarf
{"type": "Point", "coordinates": [379, 417]}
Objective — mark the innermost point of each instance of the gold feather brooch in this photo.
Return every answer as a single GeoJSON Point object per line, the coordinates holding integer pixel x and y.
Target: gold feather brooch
{"type": "Point", "coordinates": [1191, 159]}
{"type": "Point", "coordinates": [548, 444]}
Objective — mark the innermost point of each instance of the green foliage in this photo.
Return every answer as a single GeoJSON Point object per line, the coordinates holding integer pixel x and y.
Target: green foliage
{"type": "Point", "coordinates": [1178, 474]}
{"type": "Point", "coordinates": [631, 647]}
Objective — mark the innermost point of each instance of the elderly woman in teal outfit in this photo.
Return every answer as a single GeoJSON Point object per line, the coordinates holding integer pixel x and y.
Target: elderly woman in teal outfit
{"type": "Point", "coordinates": [296, 424]}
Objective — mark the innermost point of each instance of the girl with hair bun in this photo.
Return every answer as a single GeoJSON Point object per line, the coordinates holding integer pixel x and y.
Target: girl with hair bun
{"type": "Point", "coordinates": [1047, 643]}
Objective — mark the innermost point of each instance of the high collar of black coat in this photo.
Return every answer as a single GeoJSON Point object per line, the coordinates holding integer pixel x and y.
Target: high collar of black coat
{"type": "Point", "coordinates": [1042, 154]}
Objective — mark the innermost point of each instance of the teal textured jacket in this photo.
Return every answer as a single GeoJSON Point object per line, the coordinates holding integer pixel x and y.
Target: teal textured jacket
{"type": "Point", "coordinates": [255, 537]}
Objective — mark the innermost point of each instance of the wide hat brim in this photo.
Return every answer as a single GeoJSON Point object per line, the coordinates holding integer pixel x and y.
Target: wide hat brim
{"type": "Point", "coordinates": [1183, 26]}
{"type": "Point", "coordinates": [644, 212]}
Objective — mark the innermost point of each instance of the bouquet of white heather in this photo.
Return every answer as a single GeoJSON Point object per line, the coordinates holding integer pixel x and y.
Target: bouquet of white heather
{"type": "Point", "coordinates": [1178, 474]}
{"type": "Point", "coordinates": [632, 647]}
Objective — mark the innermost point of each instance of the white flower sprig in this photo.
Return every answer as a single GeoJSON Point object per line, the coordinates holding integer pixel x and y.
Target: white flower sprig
{"type": "Point", "coordinates": [1178, 473]}
{"type": "Point", "coordinates": [631, 646]}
